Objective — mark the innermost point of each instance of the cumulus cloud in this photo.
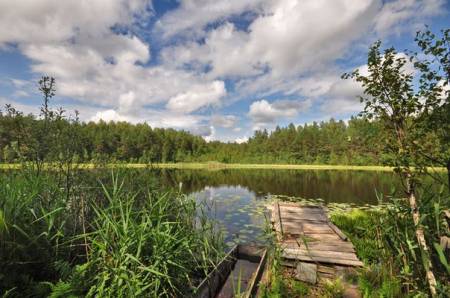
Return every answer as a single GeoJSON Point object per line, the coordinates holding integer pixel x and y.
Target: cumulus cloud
{"type": "Point", "coordinates": [277, 49]}
{"type": "Point", "coordinates": [263, 113]}
{"type": "Point", "coordinates": [197, 97]}
{"type": "Point", "coordinates": [400, 15]}
{"type": "Point", "coordinates": [110, 115]}
{"type": "Point", "coordinates": [73, 41]}
{"type": "Point", "coordinates": [288, 38]}
{"type": "Point", "coordinates": [193, 16]}
{"type": "Point", "coordinates": [225, 121]}
{"type": "Point", "coordinates": [46, 21]}
{"type": "Point", "coordinates": [241, 140]}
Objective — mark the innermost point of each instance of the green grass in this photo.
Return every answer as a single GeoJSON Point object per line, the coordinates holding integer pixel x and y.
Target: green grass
{"type": "Point", "coordinates": [111, 241]}
{"type": "Point", "coordinates": [218, 166]}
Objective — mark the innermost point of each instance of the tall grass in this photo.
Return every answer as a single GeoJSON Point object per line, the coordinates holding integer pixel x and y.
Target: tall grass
{"type": "Point", "coordinates": [385, 240]}
{"type": "Point", "coordinates": [111, 241]}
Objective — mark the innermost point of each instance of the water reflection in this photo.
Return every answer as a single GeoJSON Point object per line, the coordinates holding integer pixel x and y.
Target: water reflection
{"type": "Point", "coordinates": [238, 210]}
{"type": "Point", "coordinates": [236, 198]}
{"type": "Point", "coordinates": [356, 187]}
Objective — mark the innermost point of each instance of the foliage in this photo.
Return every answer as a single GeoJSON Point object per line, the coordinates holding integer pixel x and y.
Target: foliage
{"type": "Point", "coordinates": [24, 137]}
{"type": "Point", "coordinates": [361, 228]}
{"type": "Point", "coordinates": [385, 240]}
{"type": "Point", "coordinates": [100, 241]}
{"type": "Point", "coordinates": [404, 111]}
{"type": "Point", "coordinates": [434, 82]}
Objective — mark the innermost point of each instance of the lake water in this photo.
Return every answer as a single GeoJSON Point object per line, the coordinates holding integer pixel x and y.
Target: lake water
{"type": "Point", "coordinates": [236, 198]}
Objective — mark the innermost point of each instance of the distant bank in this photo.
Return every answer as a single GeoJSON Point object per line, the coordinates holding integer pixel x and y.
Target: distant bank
{"type": "Point", "coordinates": [218, 166]}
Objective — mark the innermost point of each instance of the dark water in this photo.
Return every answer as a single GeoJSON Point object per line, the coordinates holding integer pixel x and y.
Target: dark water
{"type": "Point", "coordinates": [236, 198]}
{"type": "Point", "coordinates": [356, 187]}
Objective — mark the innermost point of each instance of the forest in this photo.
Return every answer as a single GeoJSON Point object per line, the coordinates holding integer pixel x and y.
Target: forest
{"type": "Point", "coordinates": [356, 142]}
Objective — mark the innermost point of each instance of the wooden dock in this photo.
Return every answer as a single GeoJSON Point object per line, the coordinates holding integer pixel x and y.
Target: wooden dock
{"type": "Point", "coordinates": [311, 244]}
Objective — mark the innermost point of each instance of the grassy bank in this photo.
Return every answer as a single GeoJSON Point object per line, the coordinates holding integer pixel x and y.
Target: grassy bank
{"type": "Point", "coordinates": [108, 240]}
{"type": "Point", "coordinates": [219, 166]}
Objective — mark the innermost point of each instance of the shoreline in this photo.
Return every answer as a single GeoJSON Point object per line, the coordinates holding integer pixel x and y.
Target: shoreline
{"type": "Point", "coordinates": [220, 166]}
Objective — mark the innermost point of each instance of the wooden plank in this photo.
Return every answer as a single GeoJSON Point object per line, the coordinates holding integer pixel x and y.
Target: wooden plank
{"type": "Point", "coordinates": [319, 247]}
{"type": "Point", "coordinates": [304, 217]}
{"type": "Point", "coordinates": [278, 224]}
{"type": "Point", "coordinates": [252, 288]}
{"type": "Point", "coordinates": [318, 259]}
{"type": "Point", "coordinates": [323, 254]}
{"type": "Point", "coordinates": [308, 235]}
{"type": "Point", "coordinates": [326, 269]}
{"type": "Point", "coordinates": [337, 231]}
{"type": "Point", "coordinates": [296, 230]}
{"type": "Point", "coordinates": [284, 209]}
{"type": "Point", "coordinates": [307, 224]}
{"type": "Point", "coordinates": [306, 227]}
{"type": "Point", "coordinates": [297, 212]}
{"type": "Point", "coordinates": [298, 205]}
{"type": "Point", "coordinates": [322, 237]}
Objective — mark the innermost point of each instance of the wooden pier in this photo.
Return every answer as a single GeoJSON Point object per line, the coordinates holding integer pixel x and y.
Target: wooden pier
{"type": "Point", "coordinates": [312, 246]}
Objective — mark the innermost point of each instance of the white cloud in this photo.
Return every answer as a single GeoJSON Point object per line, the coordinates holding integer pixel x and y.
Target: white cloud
{"type": "Point", "coordinates": [288, 50]}
{"type": "Point", "coordinates": [73, 41]}
{"type": "Point", "coordinates": [47, 21]}
{"type": "Point", "coordinates": [197, 97]}
{"type": "Point", "coordinates": [288, 38]}
{"type": "Point", "coordinates": [263, 113]}
{"type": "Point", "coordinates": [225, 121]}
{"type": "Point", "coordinates": [241, 140]}
{"type": "Point", "coordinates": [193, 16]}
{"type": "Point", "coordinates": [197, 125]}
{"type": "Point", "coordinates": [110, 115]}
{"type": "Point", "coordinates": [401, 15]}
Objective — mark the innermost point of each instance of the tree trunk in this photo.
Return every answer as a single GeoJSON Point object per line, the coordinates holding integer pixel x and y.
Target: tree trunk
{"type": "Point", "coordinates": [421, 238]}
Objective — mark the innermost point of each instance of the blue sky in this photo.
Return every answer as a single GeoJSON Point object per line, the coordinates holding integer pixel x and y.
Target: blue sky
{"type": "Point", "coordinates": [220, 69]}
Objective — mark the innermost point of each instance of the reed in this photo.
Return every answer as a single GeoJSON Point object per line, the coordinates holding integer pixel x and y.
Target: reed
{"type": "Point", "coordinates": [108, 242]}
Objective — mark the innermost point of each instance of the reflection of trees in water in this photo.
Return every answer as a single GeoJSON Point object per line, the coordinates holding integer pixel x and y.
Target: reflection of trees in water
{"type": "Point", "coordinates": [336, 186]}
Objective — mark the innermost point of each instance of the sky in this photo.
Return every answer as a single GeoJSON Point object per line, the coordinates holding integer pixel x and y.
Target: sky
{"type": "Point", "coordinates": [219, 69]}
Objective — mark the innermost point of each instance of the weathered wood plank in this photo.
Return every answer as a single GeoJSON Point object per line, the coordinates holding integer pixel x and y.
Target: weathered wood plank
{"type": "Point", "coordinates": [326, 269]}
{"type": "Point", "coordinates": [297, 205]}
{"type": "Point", "coordinates": [319, 259]}
{"type": "Point", "coordinates": [301, 210]}
{"type": "Point", "coordinates": [308, 235]}
{"type": "Point", "coordinates": [296, 214]}
{"type": "Point", "coordinates": [306, 228]}
{"type": "Point", "coordinates": [337, 231]}
{"type": "Point", "coordinates": [322, 237]}
{"type": "Point", "coordinates": [278, 223]}
{"type": "Point", "coordinates": [320, 253]}
{"type": "Point", "coordinates": [319, 247]}
{"type": "Point", "coordinates": [305, 217]}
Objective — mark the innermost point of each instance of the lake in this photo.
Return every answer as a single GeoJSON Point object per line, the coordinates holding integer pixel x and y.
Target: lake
{"type": "Point", "coordinates": [236, 198]}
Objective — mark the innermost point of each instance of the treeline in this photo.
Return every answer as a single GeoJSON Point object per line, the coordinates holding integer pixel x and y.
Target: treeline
{"type": "Point", "coordinates": [58, 138]}
{"type": "Point", "coordinates": [357, 142]}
